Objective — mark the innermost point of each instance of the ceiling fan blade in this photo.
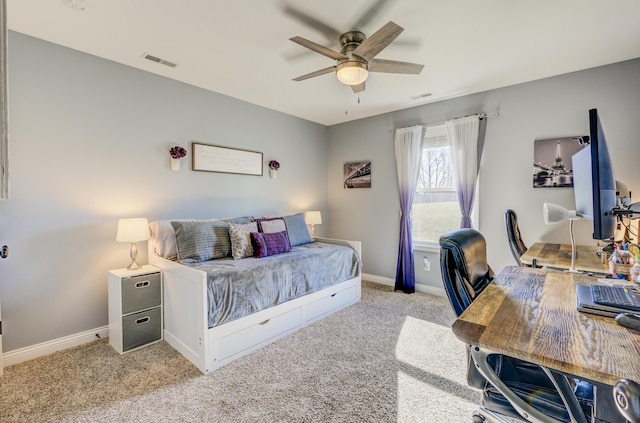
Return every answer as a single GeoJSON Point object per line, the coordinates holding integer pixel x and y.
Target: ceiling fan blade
{"type": "Point", "coordinates": [368, 15]}
{"type": "Point", "coordinates": [331, 33]}
{"type": "Point", "coordinates": [316, 73]}
{"type": "Point", "coordinates": [377, 42]}
{"type": "Point", "coordinates": [358, 88]}
{"type": "Point", "coordinates": [394, 66]}
{"type": "Point", "coordinates": [318, 48]}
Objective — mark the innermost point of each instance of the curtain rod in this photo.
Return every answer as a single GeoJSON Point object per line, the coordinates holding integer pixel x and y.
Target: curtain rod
{"type": "Point", "coordinates": [480, 115]}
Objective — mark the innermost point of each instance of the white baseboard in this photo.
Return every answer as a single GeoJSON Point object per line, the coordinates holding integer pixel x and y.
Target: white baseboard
{"type": "Point", "coordinates": [431, 290]}
{"type": "Point", "coordinates": [49, 347]}
{"type": "Point", "coordinates": [378, 279]}
{"type": "Point", "coordinates": [426, 289]}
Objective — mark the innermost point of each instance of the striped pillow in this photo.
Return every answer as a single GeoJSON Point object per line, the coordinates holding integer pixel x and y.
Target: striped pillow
{"type": "Point", "coordinates": [270, 243]}
{"type": "Point", "coordinates": [201, 241]}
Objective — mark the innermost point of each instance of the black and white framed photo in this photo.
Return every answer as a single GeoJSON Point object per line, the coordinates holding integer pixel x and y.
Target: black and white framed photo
{"type": "Point", "coordinates": [552, 161]}
{"type": "Point", "coordinates": [357, 174]}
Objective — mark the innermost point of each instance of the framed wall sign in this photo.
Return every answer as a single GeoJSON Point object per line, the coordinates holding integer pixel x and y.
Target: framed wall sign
{"type": "Point", "coordinates": [214, 158]}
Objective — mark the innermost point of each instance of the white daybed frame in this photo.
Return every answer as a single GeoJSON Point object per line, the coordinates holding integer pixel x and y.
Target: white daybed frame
{"type": "Point", "coordinates": [186, 314]}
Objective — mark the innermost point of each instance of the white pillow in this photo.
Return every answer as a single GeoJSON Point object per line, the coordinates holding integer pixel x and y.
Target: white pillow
{"type": "Point", "coordinates": [273, 225]}
{"type": "Point", "coordinates": [163, 238]}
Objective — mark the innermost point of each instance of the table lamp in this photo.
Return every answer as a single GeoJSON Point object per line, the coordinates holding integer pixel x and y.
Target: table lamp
{"type": "Point", "coordinates": [554, 213]}
{"type": "Point", "coordinates": [313, 218]}
{"type": "Point", "coordinates": [133, 231]}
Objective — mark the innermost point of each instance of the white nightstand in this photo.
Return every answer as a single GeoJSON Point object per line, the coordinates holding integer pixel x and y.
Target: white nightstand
{"type": "Point", "coordinates": [135, 307]}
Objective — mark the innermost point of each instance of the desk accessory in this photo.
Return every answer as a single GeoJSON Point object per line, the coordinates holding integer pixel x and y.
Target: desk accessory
{"type": "Point", "coordinates": [628, 320]}
{"type": "Point", "coordinates": [623, 261]}
{"type": "Point", "coordinates": [554, 213]}
{"type": "Point", "coordinates": [634, 272]}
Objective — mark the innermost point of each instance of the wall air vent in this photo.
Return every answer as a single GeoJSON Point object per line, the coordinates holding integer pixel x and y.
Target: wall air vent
{"type": "Point", "coordinates": [159, 60]}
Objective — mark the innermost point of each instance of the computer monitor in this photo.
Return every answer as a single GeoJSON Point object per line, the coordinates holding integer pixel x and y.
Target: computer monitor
{"type": "Point", "coordinates": [594, 183]}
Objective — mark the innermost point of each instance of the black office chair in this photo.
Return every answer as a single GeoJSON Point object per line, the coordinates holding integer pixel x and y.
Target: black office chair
{"type": "Point", "coordinates": [510, 387]}
{"type": "Point", "coordinates": [516, 244]}
{"type": "Point", "coordinates": [626, 394]}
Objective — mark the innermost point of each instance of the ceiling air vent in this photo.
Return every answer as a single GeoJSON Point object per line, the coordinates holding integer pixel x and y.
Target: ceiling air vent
{"type": "Point", "coordinates": [76, 4]}
{"type": "Point", "coordinates": [159, 60]}
{"type": "Point", "coordinates": [419, 96]}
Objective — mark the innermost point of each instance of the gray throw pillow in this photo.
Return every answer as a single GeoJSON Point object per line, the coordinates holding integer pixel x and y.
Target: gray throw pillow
{"type": "Point", "coordinates": [241, 220]}
{"type": "Point", "coordinates": [297, 229]}
{"type": "Point", "coordinates": [202, 241]}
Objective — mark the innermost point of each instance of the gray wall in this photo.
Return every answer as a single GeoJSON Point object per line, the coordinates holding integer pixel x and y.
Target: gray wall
{"type": "Point", "coordinates": [89, 143]}
{"type": "Point", "coordinates": [541, 109]}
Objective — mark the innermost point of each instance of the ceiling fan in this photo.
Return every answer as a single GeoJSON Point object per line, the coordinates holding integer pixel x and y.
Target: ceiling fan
{"type": "Point", "coordinates": [357, 56]}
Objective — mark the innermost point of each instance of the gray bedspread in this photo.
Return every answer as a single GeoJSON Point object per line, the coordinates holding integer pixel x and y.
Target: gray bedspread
{"type": "Point", "coordinates": [237, 288]}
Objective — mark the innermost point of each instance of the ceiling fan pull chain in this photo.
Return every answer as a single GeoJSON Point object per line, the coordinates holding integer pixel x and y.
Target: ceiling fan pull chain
{"type": "Point", "coordinates": [346, 102]}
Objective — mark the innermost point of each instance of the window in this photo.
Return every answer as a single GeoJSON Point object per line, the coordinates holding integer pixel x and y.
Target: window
{"type": "Point", "coordinates": [435, 209]}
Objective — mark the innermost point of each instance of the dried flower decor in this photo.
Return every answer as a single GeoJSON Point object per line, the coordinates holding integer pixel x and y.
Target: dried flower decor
{"type": "Point", "coordinates": [177, 152]}
{"type": "Point", "coordinates": [273, 164]}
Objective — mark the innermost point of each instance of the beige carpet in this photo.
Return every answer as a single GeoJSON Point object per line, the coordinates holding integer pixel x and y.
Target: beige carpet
{"type": "Point", "coordinates": [390, 358]}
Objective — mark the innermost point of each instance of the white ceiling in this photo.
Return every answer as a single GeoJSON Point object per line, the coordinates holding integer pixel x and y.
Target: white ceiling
{"type": "Point", "coordinates": [241, 48]}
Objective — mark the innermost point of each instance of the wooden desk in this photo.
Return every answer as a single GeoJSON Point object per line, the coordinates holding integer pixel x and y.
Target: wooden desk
{"type": "Point", "coordinates": [558, 256]}
{"type": "Point", "coordinates": [531, 314]}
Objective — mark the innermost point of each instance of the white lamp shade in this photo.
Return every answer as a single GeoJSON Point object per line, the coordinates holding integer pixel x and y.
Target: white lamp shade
{"type": "Point", "coordinates": [133, 230]}
{"type": "Point", "coordinates": [313, 218]}
{"type": "Point", "coordinates": [554, 213]}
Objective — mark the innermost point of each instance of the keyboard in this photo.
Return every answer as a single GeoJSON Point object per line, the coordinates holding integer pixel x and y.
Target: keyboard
{"type": "Point", "coordinates": [615, 296]}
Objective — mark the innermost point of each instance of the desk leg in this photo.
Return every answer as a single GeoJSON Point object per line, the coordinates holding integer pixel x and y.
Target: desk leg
{"type": "Point", "coordinates": [605, 409]}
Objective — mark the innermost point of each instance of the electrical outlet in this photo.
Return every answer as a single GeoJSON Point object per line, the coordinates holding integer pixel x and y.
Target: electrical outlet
{"type": "Point", "coordinates": [427, 264]}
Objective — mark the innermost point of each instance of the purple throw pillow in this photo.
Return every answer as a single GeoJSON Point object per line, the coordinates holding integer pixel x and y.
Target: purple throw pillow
{"type": "Point", "coordinates": [270, 243]}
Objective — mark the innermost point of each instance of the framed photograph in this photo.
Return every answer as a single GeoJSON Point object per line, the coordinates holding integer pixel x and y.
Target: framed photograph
{"type": "Point", "coordinates": [214, 158]}
{"type": "Point", "coordinates": [357, 174]}
{"type": "Point", "coordinates": [552, 161]}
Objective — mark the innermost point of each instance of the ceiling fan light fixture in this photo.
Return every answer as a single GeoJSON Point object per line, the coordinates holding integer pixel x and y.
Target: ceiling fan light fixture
{"type": "Point", "coordinates": [352, 73]}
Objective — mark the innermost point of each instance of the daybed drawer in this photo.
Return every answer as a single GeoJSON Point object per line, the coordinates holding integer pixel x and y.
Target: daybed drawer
{"type": "Point", "coordinates": [332, 302]}
{"type": "Point", "coordinates": [258, 333]}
